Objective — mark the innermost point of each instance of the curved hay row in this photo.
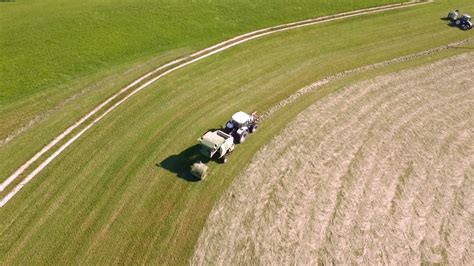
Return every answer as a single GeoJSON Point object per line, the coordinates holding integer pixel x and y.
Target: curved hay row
{"type": "Point", "coordinates": [379, 172]}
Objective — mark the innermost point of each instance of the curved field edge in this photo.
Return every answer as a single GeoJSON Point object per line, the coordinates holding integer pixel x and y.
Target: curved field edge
{"type": "Point", "coordinates": [77, 223]}
{"type": "Point", "coordinates": [410, 173]}
{"type": "Point", "coordinates": [104, 36]}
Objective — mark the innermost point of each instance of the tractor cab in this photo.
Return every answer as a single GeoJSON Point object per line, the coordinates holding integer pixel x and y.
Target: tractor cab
{"type": "Point", "coordinates": [238, 120]}
{"type": "Point", "coordinates": [465, 18]}
{"type": "Point", "coordinates": [241, 124]}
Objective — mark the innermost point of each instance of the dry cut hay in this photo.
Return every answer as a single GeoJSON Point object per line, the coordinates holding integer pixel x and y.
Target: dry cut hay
{"type": "Point", "coordinates": [199, 170]}
{"type": "Point", "coordinates": [380, 172]}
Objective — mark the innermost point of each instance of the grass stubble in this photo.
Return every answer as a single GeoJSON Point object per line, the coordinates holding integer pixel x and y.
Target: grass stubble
{"type": "Point", "coordinates": [379, 172]}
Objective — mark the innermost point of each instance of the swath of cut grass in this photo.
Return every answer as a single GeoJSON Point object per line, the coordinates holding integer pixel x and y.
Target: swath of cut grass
{"type": "Point", "coordinates": [379, 172]}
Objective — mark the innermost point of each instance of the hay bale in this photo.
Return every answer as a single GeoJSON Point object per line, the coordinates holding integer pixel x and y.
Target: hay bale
{"type": "Point", "coordinates": [199, 170]}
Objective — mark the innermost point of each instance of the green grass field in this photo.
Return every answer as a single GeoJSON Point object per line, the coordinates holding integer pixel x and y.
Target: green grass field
{"type": "Point", "coordinates": [46, 43]}
{"type": "Point", "coordinates": [107, 200]}
{"type": "Point", "coordinates": [51, 50]}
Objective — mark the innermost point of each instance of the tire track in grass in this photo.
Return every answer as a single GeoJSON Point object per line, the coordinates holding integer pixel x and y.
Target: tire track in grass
{"type": "Point", "coordinates": [93, 117]}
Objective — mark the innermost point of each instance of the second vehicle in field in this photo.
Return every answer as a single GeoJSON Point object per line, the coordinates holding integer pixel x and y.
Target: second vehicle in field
{"type": "Point", "coordinates": [461, 21]}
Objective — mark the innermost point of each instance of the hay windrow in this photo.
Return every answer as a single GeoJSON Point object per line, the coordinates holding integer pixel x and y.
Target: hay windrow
{"type": "Point", "coordinates": [380, 172]}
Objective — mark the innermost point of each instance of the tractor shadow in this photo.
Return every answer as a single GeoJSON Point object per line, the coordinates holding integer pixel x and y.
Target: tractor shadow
{"type": "Point", "coordinates": [180, 164]}
{"type": "Point", "coordinates": [449, 22]}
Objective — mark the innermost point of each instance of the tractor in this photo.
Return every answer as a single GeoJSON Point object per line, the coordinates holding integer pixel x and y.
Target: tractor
{"type": "Point", "coordinates": [464, 22]}
{"type": "Point", "coordinates": [219, 144]}
{"type": "Point", "coordinates": [241, 124]}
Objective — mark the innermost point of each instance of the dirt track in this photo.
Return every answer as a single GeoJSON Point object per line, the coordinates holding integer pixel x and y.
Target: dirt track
{"type": "Point", "coordinates": [380, 172]}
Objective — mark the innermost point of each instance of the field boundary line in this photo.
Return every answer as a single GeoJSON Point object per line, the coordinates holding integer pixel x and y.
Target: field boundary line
{"type": "Point", "coordinates": [307, 89]}
{"type": "Point", "coordinates": [167, 69]}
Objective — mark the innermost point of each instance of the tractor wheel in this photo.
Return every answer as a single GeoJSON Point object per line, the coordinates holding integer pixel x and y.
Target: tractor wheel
{"type": "Point", "coordinates": [457, 22]}
{"type": "Point", "coordinates": [243, 137]}
{"type": "Point", "coordinates": [465, 27]}
{"type": "Point", "coordinates": [253, 128]}
{"type": "Point", "coordinates": [225, 159]}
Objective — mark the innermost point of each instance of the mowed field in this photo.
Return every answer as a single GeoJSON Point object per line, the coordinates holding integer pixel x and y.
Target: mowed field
{"type": "Point", "coordinates": [381, 172]}
{"type": "Point", "coordinates": [55, 53]}
{"type": "Point", "coordinates": [117, 194]}
{"type": "Point", "coordinates": [67, 40]}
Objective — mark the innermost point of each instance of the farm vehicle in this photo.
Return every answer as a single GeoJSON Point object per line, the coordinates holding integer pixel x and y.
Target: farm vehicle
{"type": "Point", "coordinates": [219, 144]}
{"type": "Point", "coordinates": [241, 124]}
{"type": "Point", "coordinates": [461, 21]}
